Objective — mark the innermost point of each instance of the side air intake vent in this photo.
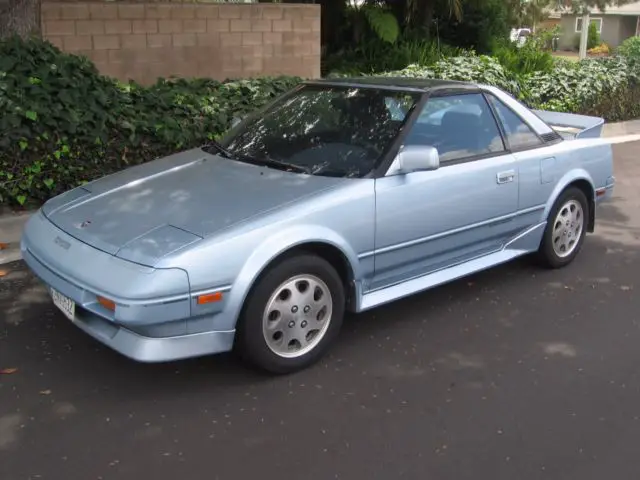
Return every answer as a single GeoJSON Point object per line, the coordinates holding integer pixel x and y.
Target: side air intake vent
{"type": "Point", "coordinates": [551, 137]}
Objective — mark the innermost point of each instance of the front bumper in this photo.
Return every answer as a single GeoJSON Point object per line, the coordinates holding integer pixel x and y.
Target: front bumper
{"type": "Point", "coordinates": [606, 192]}
{"type": "Point", "coordinates": [151, 329]}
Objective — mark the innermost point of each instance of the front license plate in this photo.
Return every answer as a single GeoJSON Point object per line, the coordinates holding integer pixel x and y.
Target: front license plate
{"type": "Point", "coordinates": [65, 304]}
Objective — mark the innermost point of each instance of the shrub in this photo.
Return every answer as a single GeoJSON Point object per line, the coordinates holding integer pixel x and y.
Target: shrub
{"type": "Point", "coordinates": [630, 48]}
{"type": "Point", "coordinates": [563, 62]}
{"type": "Point", "coordinates": [63, 123]}
{"type": "Point", "coordinates": [570, 85]}
{"type": "Point", "coordinates": [376, 56]}
{"type": "Point", "coordinates": [546, 36]}
{"type": "Point", "coordinates": [383, 22]}
{"type": "Point", "coordinates": [479, 69]}
{"type": "Point", "coordinates": [481, 23]}
{"type": "Point", "coordinates": [529, 58]}
{"type": "Point", "coordinates": [593, 37]}
{"type": "Point", "coordinates": [470, 68]}
{"type": "Point", "coordinates": [602, 49]}
{"type": "Point", "coordinates": [621, 104]}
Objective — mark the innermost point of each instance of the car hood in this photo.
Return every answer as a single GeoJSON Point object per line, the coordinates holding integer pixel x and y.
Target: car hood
{"type": "Point", "coordinates": [149, 211]}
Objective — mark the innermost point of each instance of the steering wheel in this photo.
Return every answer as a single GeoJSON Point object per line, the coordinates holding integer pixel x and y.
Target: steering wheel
{"type": "Point", "coordinates": [342, 137]}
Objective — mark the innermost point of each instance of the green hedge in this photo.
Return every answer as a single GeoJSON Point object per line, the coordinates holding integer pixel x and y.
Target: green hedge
{"type": "Point", "coordinates": [375, 56]}
{"type": "Point", "coordinates": [62, 123]}
{"type": "Point", "coordinates": [572, 84]}
{"type": "Point", "coordinates": [471, 68]}
{"type": "Point", "coordinates": [630, 48]}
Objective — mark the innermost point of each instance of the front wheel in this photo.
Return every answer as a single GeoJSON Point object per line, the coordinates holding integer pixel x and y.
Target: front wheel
{"type": "Point", "coordinates": [292, 315]}
{"type": "Point", "coordinates": [566, 229]}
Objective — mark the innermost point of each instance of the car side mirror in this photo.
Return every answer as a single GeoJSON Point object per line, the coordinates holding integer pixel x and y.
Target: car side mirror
{"type": "Point", "coordinates": [235, 121]}
{"type": "Point", "coordinates": [418, 158]}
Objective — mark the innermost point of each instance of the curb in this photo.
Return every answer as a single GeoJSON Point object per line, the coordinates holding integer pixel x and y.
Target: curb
{"type": "Point", "coordinates": [618, 129]}
{"type": "Point", "coordinates": [9, 253]}
{"type": "Point", "coordinates": [11, 226]}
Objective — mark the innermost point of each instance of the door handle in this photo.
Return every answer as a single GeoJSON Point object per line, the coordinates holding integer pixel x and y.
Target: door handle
{"type": "Point", "coordinates": [506, 177]}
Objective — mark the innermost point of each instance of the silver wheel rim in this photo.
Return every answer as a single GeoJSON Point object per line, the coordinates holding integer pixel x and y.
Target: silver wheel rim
{"type": "Point", "coordinates": [297, 316]}
{"type": "Point", "coordinates": [567, 228]}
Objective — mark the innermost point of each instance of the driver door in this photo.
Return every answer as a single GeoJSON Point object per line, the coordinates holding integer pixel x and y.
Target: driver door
{"type": "Point", "coordinates": [427, 221]}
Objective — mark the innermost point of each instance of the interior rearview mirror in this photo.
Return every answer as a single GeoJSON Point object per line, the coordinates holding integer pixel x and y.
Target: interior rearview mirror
{"type": "Point", "coordinates": [418, 158]}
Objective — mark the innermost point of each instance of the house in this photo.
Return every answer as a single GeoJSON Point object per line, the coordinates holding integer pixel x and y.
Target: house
{"type": "Point", "coordinates": [615, 24]}
{"type": "Point", "coordinates": [552, 19]}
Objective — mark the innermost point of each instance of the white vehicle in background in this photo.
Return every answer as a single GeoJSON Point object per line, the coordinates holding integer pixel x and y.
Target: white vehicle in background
{"type": "Point", "coordinates": [520, 35]}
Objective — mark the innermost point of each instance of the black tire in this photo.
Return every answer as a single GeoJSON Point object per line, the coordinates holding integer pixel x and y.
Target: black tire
{"type": "Point", "coordinates": [251, 344]}
{"type": "Point", "coordinates": [546, 254]}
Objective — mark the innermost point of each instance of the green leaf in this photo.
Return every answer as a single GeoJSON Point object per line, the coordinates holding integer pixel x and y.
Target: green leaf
{"type": "Point", "coordinates": [63, 123]}
{"type": "Point", "coordinates": [384, 23]}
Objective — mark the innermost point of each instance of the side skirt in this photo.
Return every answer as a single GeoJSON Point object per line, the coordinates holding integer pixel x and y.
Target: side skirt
{"type": "Point", "coordinates": [527, 242]}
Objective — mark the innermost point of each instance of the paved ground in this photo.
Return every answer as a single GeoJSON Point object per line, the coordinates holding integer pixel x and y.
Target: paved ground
{"type": "Point", "coordinates": [516, 373]}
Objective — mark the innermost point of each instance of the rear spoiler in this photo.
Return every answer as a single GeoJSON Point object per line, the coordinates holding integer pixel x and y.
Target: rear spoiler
{"type": "Point", "coordinates": [571, 125]}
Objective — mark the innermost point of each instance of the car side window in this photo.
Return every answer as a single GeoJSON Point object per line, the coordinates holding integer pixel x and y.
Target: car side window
{"type": "Point", "coordinates": [458, 126]}
{"type": "Point", "coordinates": [519, 134]}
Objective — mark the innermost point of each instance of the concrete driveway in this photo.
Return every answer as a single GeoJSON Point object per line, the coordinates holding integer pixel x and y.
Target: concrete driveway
{"type": "Point", "coordinates": [515, 373]}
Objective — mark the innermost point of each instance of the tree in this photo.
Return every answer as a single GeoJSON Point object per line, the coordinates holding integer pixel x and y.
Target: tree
{"type": "Point", "coordinates": [482, 23]}
{"type": "Point", "coordinates": [535, 11]}
{"type": "Point", "coordinates": [19, 17]}
{"type": "Point", "coordinates": [593, 38]}
{"type": "Point", "coordinates": [348, 22]}
{"type": "Point", "coordinates": [588, 5]}
{"type": "Point", "coordinates": [419, 13]}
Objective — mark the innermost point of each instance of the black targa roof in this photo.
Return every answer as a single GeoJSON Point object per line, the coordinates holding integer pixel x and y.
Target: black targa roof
{"type": "Point", "coordinates": [399, 83]}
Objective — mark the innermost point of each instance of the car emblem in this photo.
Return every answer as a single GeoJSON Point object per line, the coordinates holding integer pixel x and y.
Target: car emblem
{"type": "Point", "coordinates": [64, 244]}
{"type": "Point", "coordinates": [85, 224]}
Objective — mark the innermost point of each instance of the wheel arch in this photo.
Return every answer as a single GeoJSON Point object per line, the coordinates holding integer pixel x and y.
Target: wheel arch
{"type": "Point", "coordinates": [587, 188]}
{"type": "Point", "coordinates": [325, 250]}
{"type": "Point", "coordinates": [579, 179]}
{"type": "Point", "coordinates": [313, 240]}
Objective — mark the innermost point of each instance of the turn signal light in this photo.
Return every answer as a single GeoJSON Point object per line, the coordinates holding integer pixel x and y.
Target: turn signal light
{"type": "Point", "coordinates": [106, 303]}
{"type": "Point", "coordinates": [209, 298]}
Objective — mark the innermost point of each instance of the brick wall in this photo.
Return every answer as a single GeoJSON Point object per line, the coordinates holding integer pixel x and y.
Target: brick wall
{"type": "Point", "coordinates": [144, 41]}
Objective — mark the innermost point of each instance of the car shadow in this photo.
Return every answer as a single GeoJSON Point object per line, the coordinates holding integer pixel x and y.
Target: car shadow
{"type": "Point", "coordinates": [35, 338]}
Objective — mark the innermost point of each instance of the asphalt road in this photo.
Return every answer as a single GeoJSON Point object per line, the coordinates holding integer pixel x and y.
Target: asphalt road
{"type": "Point", "coordinates": [515, 373]}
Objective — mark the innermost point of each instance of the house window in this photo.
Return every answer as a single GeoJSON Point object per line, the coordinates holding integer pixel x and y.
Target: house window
{"type": "Point", "coordinates": [596, 20]}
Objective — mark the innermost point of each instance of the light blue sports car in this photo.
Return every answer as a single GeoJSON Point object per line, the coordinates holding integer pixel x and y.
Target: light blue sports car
{"type": "Point", "coordinates": [340, 195]}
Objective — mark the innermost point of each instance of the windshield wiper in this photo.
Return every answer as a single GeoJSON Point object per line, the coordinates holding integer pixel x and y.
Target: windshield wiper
{"type": "Point", "coordinates": [216, 146]}
{"type": "Point", "coordinates": [263, 161]}
{"type": "Point", "coordinates": [270, 162]}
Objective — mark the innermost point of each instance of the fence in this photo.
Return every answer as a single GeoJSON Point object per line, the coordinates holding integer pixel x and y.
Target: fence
{"type": "Point", "coordinates": [146, 40]}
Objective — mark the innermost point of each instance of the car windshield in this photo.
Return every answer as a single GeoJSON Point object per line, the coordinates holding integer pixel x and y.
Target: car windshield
{"type": "Point", "coordinates": [323, 130]}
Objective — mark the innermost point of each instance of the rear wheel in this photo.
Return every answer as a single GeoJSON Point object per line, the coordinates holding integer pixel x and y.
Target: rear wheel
{"type": "Point", "coordinates": [566, 229]}
{"type": "Point", "coordinates": [292, 315]}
